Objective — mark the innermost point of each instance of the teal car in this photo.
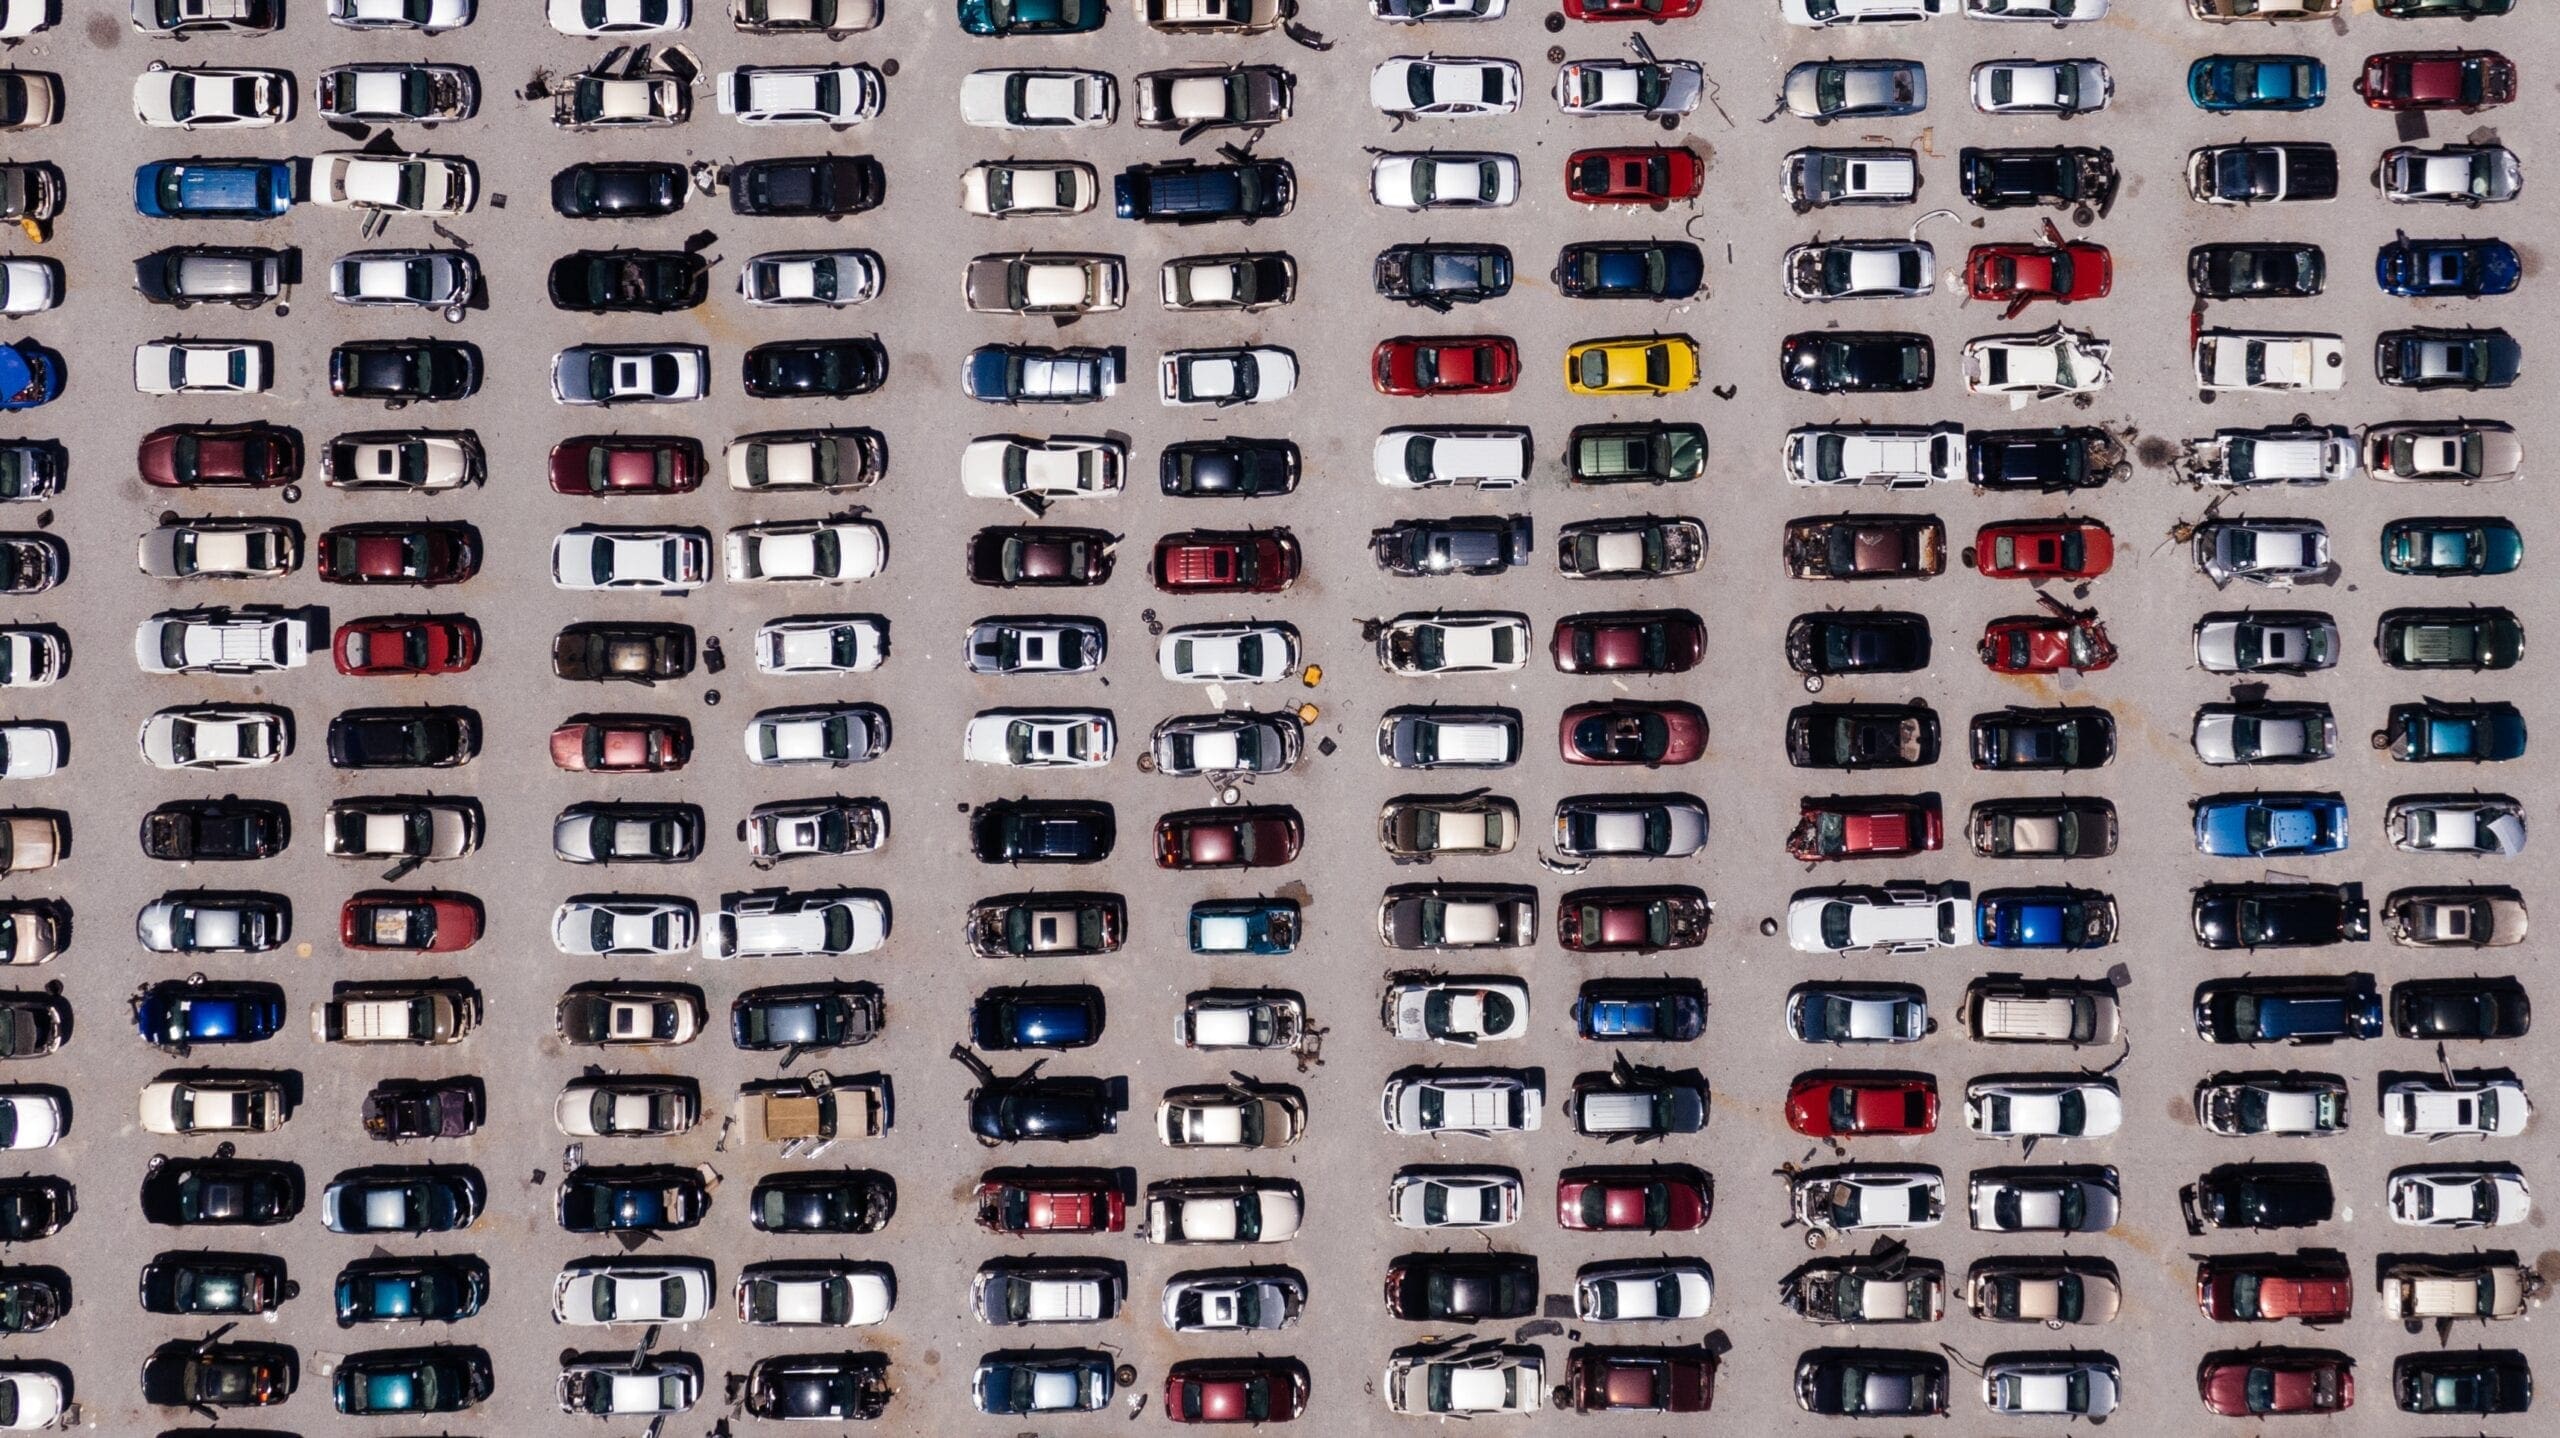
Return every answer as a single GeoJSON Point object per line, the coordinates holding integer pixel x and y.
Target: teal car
{"type": "Point", "coordinates": [2452, 546]}
{"type": "Point", "coordinates": [1030, 17]}
{"type": "Point", "coordinates": [2438, 731]}
{"type": "Point", "coordinates": [412, 1380]}
{"type": "Point", "coordinates": [2235, 84]}
{"type": "Point", "coordinates": [1262, 927]}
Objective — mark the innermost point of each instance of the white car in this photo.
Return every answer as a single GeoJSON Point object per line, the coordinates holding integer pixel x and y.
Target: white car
{"type": "Point", "coordinates": [2464, 1196]}
{"type": "Point", "coordinates": [1229, 281]}
{"type": "Point", "coordinates": [589, 18]}
{"type": "Point", "coordinates": [176, 366]}
{"type": "Point", "coordinates": [1466, 1012]}
{"type": "Point", "coordinates": [1245, 1019]}
{"type": "Point", "coordinates": [220, 549]}
{"type": "Point", "coordinates": [608, 1106]}
{"type": "Point", "coordinates": [1254, 374]}
{"type": "Point", "coordinates": [814, 828]}
{"type": "Point", "coordinates": [1444, 180]}
{"type": "Point", "coordinates": [1643, 1290]}
{"type": "Point", "coordinates": [425, 16]}
{"type": "Point", "coordinates": [1416, 12]}
{"type": "Point", "coordinates": [397, 92]}
{"type": "Point", "coordinates": [2045, 1200]}
{"type": "Point", "coordinates": [811, 277]}
{"type": "Point", "coordinates": [806, 551]}
{"type": "Point", "coordinates": [1033, 283]}
{"type": "Point", "coordinates": [31, 751]}
{"type": "Point", "coordinates": [30, 658]}
{"type": "Point", "coordinates": [2472, 451]}
{"type": "Point", "coordinates": [1429, 86]}
{"type": "Point", "coordinates": [1233, 1301]}
{"type": "Point", "coordinates": [835, 95]}
{"type": "Point", "coordinates": [1463, 1198]}
{"type": "Point", "coordinates": [2033, 1107]}
{"type": "Point", "coordinates": [1038, 99]}
{"type": "Point", "coordinates": [630, 374]}
{"type": "Point", "coordinates": [625, 926]}
{"type": "Point", "coordinates": [1438, 1101]}
{"type": "Point", "coordinates": [1504, 1381]}
{"type": "Point", "coordinates": [208, 924]}
{"type": "Point", "coordinates": [414, 461]}
{"type": "Point", "coordinates": [1250, 653]}
{"type": "Point", "coordinates": [1898, 918]}
{"type": "Point", "coordinates": [394, 184]}
{"type": "Point", "coordinates": [2270, 363]}
{"type": "Point", "coordinates": [32, 1397]}
{"type": "Point", "coordinates": [172, 98]}
{"type": "Point", "coordinates": [1875, 455]}
{"type": "Point", "coordinates": [2044, 365]}
{"type": "Point", "coordinates": [830, 734]}
{"type": "Point", "coordinates": [200, 1104]}
{"type": "Point", "coordinates": [821, 645]}
{"type": "Point", "coordinates": [1236, 742]}
{"type": "Point", "coordinates": [1453, 643]}
{"type": "Point", "coordinates": [430, 830]}
{"type": "Point", "coordinates": [824, 1293]}
{"type": "Point", "coordinates": [2041, 87]}
{"type": "Point", "coordinates": [595, 556]}
{"type": "Point", "coordinates": [1224, 1210]}
{"type": "Point", "coordinates": [777, 925]}
{"type": "Point", "coordinates": [217, 736]}
{"type": "Point", "coordinates": [631, 1290]}
{"type": "Point", "coordinates": [1012, 466]}
{"type": "Point", "coordinates": [1047, 739]}
{"type": "Point", "coordinates": [1230, 1117]}
{"type": "Point", "coordinates": [2263, 641]}
{"type": "Point", "coordinates": [2281, 1105]}
{"type": "Point", "coordinates": [2454, 1108]}
{"type": "Point", "coordinates": [2472, 175]}
{"type": "Point", "coordinates": [2233, 734]}
{"type": "Point", "coordinates": [1658, 88]}
{"type": "Point", "coordinates": [31, 1118]}
{"type": "Point", "coordinates": [1860, 270]}
{"type": "Point", "coordinates": [2038, 12]}
{"type": "Point", "coordinates": [1825, 14]}
{"type": "Point", "coordinates": [1003, 189]}
{"type": "Point", "coordinates": [1420, 458]}
{"type": "Point", "coordinates": [2052, 1387]}
{"type": "Point", "coordinates": [815, 459]}
{"type": "Point", "coordinates": [2281, 454]}
{"type": "Point", "coordinates": [425, 279]}
{"type": "Point", "coordinates": [2490, 824]}
{"type": "Point", "coordinates": [221, 641]}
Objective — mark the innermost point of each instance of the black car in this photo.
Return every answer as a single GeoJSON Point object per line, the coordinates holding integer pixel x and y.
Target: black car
{"type": "Point", "coordinates": [652, 1198]}
{"type": "Point", "coordinates": [248, 276]}
{"type": "Point", "coordinates": [1871, 1383]}
{"type": "Point", "coordinates": [1232, 468]}
{"type": "Point", "coordinates": [2276, 916]}
{"type": "Point", "coordinates": [819, 1386]}
{"type": "Point", "coordinates": [31, 1299]}
{"type": "Point", "coordinates": [1437, 276]}
{"type": "Point", "coordinates": [2473, 1008]}
{"type": "Point", "coordinates": [2474, 1382]}
{"type": "Point", "coordinates": [213, 830]}
{"type": "Point", "coordinates": [824, 186]}
{"type": "Point", "coordinates": [2019, 738]}
{"type": "Point", "coordinates": [1054, 556]}
{"type": "Point", "coordinates": [1629, 270]}
{"type": "Point", "coordinates": [1463, 544]}
{"type": "Point", "coordinates": [2036, 461]}
{"type": "Point", "coordinates": [184, 1192]}
{"type": "Point", "coordinates": [1664, 1010]}
{"type": "Point", "coordinates": [1187, 192]}
{"type": "Point", "coordinates": [2259, 1196]}
{"type": "Point", "coordinates": [638, 652]}
{"type": "Point", "coordinates": [2255, 173]}
{"type": "Point", "coordinates": [805, 1016]}
{"type": "Point", "coordinates": [434, 1288]}
{"type": "Point", "coordinates": [397, 1109]}
{"type": "Point", "coordinates": [187, 1373]}
{"type": "Point", "coordinates": [1862, 736]}
{"type": "Point", "coordinates": [648, 282]}
{"type": "Point", "coordinates": [2063, 176]}
{"type": "Point", "coordinates": [1857, 362]}
{"type": "Point", "coordinates": [838, 1201]}
{"type": "Point", "coordinates": [622, 189]}
{"type": "Point", "coordinates": [2432, 357]}
{"type": "Point", "coordinates": [1047, 1108]}
{"type": "Point", "coordinates": [188, 1285]}
{"type": "Point", "coordinates": [1462, 1287]}
{"type": "Point", "coordinates": [1042, 831]}
{"type": "Point", "coordinates": [1041, 1016]}
{"type": "Point", "coordinates": [2311, 1009]}
{"type": "Point", "coordinates": [1878, 641]}
{"type": "Point", "coordinates": [2256, 271]}
{"type": "Point", "coordinates": [34, 1207]}
{"type": "Point", "coordinates": [403, 738]}
{"type": "Point", "coordinates": [800, 369]}
{"type": "Point", "coordinates": [400, 372]}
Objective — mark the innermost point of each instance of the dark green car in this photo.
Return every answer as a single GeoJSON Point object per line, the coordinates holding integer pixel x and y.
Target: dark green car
{"type": "Point", "coordinates": [1030, 17]}
{"type": "Point", "coordinates": [2473, 638]}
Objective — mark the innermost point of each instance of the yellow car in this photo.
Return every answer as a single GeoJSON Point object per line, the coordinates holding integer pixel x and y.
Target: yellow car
{"type": "Point", "coordinates": [1644, 364]}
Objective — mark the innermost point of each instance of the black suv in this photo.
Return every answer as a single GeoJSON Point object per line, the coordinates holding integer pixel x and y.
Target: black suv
{"type": "Point", "coordinates": [830, 368]}
{"type": "Point", "coordinates": [825, 186]}
{"type": "Point", "coordinates": [1042, 831]}
{"type": "Point", "coordinates": [2258, 1196]}
{"type": "Point", "coordinates": [420, 738]}
{"type": "Point", "coordinates": [2058, 175]}
{"type": "Point", "coordinates": [1186, 192]}
{"type": "Point", "coordinates": [1228, 468]}
{"type": "Point", "coordinates": [399, 372]}
{"type": "Point", "coordinates": [1437, 276]}
{"type": "Point", "coordinates": [189, 830]}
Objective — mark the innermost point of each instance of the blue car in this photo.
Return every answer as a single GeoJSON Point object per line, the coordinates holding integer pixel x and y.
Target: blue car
{"type": "Point", "coordinates": [176, 1012]}
{"type": "Point", "coordinates": [1641, 1010]}
{"type": "Point", "coordinates": [1062, 1017]}
{"type": "Point", "coordinates": [213, 189]}
{"type": "Point", "coordinates": [1262, 927]}
{"type": "Point", "coordinates": [2425, 269]}
{"type": "Point", "coordinates": [2287, 1011]}
{"type": "Point", "coordinates": [2232, 84]}
{"type": "Point", "coordinates": [2449, 731]}
{"type": "Point", "coordinates": [30, 375]}
{"type": "Point", "coordinates": [1629, 270]}
{"type": "Point", "coordinates": [2259, 826]}
{"type": "Point", "coordinates": [2044, 918]}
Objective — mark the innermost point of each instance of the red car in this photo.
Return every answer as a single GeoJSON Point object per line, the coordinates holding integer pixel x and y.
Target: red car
{"type": "Point", "coordinates": [2275, 1380]}
{"type": "Point", "coordinates": [2043, 549]}
{"type": "Point", "coordinates": [2264, 1289]}
{"type": "Point", "coordinates": [1888, 827]}
{"type": "Point", "coordinates": [1229, 1390]}
{"type": "Point", "coordinates": [234, 456]}
{"type": "Point", "coordinates": [1665, 1199]}
{"type": "Point", "coordinates": [1650, 641]}
{"type": "Point", "coordinates": [2437, 80]}
{"type": "Point", "coordinates": [622, 745]}
{"type": "Point", "coordinates": [1034, 1201]}
{"type": "Point", "coordinates": [1202, 561]}
{"type": "Point", "coordinates": [1633, 175]}
{"type": "Point", "coordinates": [1629, 731]}
{"type": "Point", "coordinates": [387, 921]}
{"type": "Point", "coordinates": [397, 553]}
{"type": "Point", "coordinates": [2045, 644]}
{"type": "Point", "coordinates": [1631, 921]}
{"type": "Point", "coordinates": [1259, 837]}
{"type": "Point", "coordinates": [2065, 272]}
{"type": "Point", "coordinates": [626, 464]}
{"type": "Point", "coordinates": [1862, 1106]}
{"type": "Point", "coordinates": [404, 644]}
{"type": "Point", "coordinates": [1456, 364]}
{"type": "Point", "coordinates": [1641, 1380]}
{"type": "Point", "coordinates": [1631, 9]}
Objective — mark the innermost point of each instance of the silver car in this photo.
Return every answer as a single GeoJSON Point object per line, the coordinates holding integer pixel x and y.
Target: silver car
{"type": "Point", "coordinates": [1242, 1300]}
{"type": "Point", "coordinates": [2273, 552]}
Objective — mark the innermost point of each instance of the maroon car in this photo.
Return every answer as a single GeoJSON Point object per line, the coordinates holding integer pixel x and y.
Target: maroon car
{"type": "Point", "coordinates": [1022, 1201]}
{"type": "Point", "coordinates": [1631, 921]}
{"type": "Point", "coordinates": [1667, 1198]}
{"type": "Point", "coordinates": [2437, 80]}
{"type": "Point", "coordinates": [621, 744]}
{"type": "Point", "coordinates": [1233, 1390]}
{"type": "Point", "coordinates": [235, 456]}
{"type": "Point", "coordinates": [1641, 1380]}
{"type": "Point", "coordinates": [398, 553]}
{"type": "Point", "coordinates": [406, 644]}
{"type": "Point", "coordinates": [1648, 641]}
{"type": "Point", "coordinates": [423, 1108]}
{"type": "Point", "coordinates": [1260, 837]}
{"type": "Point", "coordinates": [1039, 556]}
{"type": "Point", "coordinates": [1445, 364]}
{"type": "Point", "coordinates": [626, 464]}
{"type": "Point", "coordinates": [410, 923]}
{"type": "Point", "coordinates": [1888, 826]}
{"type": "Point", "coordinates": [1629, 731]}
{"type": "Point", "coordinates": [1202, 561]}
{"type": "Point", "coordinates": [2268, 1288]}
{"type": "Point", "coordinates": [2269, 1381]}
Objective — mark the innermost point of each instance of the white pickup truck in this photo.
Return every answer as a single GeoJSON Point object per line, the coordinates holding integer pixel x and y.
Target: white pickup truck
{"type": "Point", "coordinates": [221, 641]}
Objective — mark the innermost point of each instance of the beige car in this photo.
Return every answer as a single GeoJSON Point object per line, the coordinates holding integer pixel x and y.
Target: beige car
{"type": "Point", "coordinates": [1035, 283]}
{"type": "Point", "coordinates": [614, 1106]}
{"type": "Point", "coordinates": [29, 842]}
{"type": "Point", "coordinates": [214, 1105]}
{"type": "Point", "coordinates": [2457, 1287]}
{"type": "Point", "coordinates": [1419, 830]}
{"type": "Point", "coordinates": [29, 934]}
{"type": "Point", "coordinates": [1231, 1116]}
{"type": "Point", "coordinates": [2043, 1290]}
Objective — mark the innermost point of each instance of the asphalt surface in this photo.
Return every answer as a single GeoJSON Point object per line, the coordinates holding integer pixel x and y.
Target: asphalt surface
{"type": "Point", "coordinates": [2149, 601]}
